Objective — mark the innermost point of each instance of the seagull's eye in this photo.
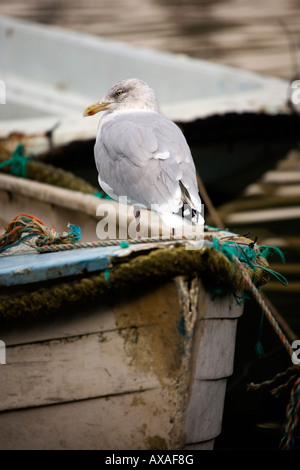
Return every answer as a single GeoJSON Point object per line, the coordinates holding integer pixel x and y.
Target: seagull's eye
{"type": "Point", "coordinates": [119, 92]}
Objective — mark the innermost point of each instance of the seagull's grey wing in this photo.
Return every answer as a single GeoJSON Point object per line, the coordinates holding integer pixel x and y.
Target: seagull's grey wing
{"type": "Point", "coordinates": [179, 151]}
{"type": "Point", "coordinates": [123, 151]}
{"type": "Point", "coordinates": [144, 156]}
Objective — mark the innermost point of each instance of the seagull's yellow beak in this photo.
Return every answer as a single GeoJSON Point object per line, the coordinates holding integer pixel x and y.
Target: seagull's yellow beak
{"type": "Point", "coordinates": [95, 108]}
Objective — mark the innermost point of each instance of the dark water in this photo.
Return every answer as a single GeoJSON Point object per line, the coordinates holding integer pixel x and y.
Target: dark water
{"type": "Point", "coordinates": [258, 36]}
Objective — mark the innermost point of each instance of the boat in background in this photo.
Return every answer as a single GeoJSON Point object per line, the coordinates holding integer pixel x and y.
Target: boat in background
{"type": "Point", "coordinates": [238, 124]}
{"type": "Point", "coordinates": [270, 206]}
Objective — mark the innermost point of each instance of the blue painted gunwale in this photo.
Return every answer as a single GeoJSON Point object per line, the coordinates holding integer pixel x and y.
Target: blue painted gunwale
{"type": "Point", "coordinates": [20, 269]}
{"type": "Point", "coordinates": [28, 268]}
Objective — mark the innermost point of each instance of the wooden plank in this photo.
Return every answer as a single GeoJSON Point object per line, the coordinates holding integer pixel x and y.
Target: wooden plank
{"type": "Point", "coordinates": [205, 445]}
{"type": "Point", "coordinates": [212, 363]}
{"type": "Point", "coordinates": [140, 307]}
{"type": "Point", "coordinates": [96, 318]}
{"type": "Point", "coordinates": [205, 411]}
{"type": "Point", "coordinates": [286, 268]}
{"type": "Point", "coordinates": [135, 353]}
{"type": "Point", "coordinates": [293, 286]}
{"type": "Point", "coordinates": [52, 195]}
{"type": "Point", "coordinates": [69, 369]}
{"type": "Point", "coordinates": [264, 215]}
{"type": "Point", "coordinates": [135, 421]}
{"type": "Point", "coordinates": [216, 345]}
{"type": "Point", "coordinates": [281, 177]}
{"type": "Point", "coordinates": [215, 306]}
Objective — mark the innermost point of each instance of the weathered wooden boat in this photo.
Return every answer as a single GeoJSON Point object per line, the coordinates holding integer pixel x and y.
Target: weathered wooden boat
{"type": "Point", "coordinates": [118, 347]}
{"type": "Point", "coordinates": [237, 123]}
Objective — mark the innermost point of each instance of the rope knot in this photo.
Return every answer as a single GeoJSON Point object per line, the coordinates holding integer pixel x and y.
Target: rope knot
{"type": "Point", "coordinates": [24, 227]}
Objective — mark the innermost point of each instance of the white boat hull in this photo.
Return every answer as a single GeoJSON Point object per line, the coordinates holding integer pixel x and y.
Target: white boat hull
{"type": "Point", "coordinates": [121, 374]}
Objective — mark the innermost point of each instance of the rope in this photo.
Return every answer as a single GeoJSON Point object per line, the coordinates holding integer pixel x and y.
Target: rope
{"type": "Point", "coordinates": [31, 168]}
{"type": "Point", "coordinates": [271, 383]}
{"type": "Point", "coordinates": [24, 227]}
{"type": "Point", "coordinates": [264, 307]}
{"type": "Point", "coordinates": [292, 418]}
{"type": "Point", "coordinates": [293, 408]}
{"type": "Point", "coordinates": [103, 243]}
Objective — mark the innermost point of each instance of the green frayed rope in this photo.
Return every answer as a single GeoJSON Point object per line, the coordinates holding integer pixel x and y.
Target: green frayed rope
{"type": "Point", "coordinates": [18, 162]}
{"type": "Point", "coordinates": [247, 254]}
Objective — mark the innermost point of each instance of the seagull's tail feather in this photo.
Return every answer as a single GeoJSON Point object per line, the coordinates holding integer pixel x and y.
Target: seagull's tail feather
{"type": "Point", "coordinates": [186, 215]}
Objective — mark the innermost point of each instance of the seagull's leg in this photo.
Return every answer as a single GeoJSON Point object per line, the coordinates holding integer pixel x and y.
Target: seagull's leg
{"type": "Point", "coordinates": [137, 215]}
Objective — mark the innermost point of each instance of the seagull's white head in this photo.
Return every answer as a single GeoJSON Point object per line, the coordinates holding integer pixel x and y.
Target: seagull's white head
{"type": "Point", "coordinates": [127, 94]}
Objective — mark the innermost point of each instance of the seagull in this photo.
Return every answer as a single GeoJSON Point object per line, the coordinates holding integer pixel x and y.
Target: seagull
{"type": "Point", "coordinates": [142, 155]}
